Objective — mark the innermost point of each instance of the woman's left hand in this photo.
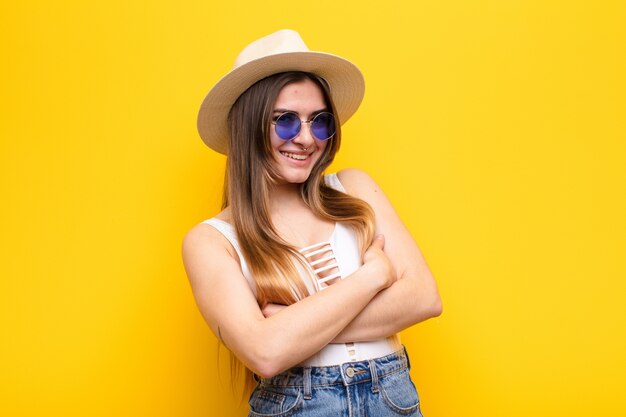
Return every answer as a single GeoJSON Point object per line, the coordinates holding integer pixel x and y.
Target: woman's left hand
{"type": "Point", "coordinates": [270, 309]}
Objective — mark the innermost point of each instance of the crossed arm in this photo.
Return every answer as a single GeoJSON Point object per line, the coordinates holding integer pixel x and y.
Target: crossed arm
{"type": "Point", "coordinates": [391, 291]}
{"type": "Point", "coordinates": [413, 297]}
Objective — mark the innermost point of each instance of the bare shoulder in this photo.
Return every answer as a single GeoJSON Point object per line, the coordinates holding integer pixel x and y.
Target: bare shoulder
{"type": "Point", "coordinates": [205, 236]}
{"type": "Point", "coordinates": [204, 243]}
{"type": "Point", "coordinates": [201, 234]}
{"type": "Point", "coordinates": [361, 185]}
{"type": "Point", "coordinates": [358, 183]}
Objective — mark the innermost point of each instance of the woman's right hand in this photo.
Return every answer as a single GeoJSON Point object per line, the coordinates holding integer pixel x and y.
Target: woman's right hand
{"type": "Point", "coordinates": [378, 263]}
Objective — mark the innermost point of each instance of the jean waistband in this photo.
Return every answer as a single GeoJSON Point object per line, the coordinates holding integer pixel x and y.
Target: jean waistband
{"type": "Point", "coordinates": [348, 373]}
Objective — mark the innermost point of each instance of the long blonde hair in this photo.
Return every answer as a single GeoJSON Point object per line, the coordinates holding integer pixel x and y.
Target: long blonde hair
{"type": "Point", "coordinates": [250, 174]}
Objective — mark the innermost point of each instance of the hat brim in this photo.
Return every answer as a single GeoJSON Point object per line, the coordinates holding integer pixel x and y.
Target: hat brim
{"type": "Point", "coordinates": [347, 88]}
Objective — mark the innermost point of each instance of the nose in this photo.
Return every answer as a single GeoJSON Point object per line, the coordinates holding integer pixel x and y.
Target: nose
{"type": "Point", "coordinates": [305, 137]}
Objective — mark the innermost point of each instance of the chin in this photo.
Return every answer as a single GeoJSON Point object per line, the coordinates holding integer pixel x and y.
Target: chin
{"type": "Point", "coordinates": [290, 174]}
{"type": "Point", "coordinates": [292, 178]}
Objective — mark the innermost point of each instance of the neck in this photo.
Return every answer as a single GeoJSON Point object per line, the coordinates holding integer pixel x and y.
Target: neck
{"type": "Point", "coordinates": [281, 193]}
{"type": "Point", "coordinates": [285, 196]}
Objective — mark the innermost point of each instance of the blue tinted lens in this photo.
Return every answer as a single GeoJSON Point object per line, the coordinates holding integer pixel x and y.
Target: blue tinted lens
{"type": "Point", "coordinates": [323, 126]}
{"type": "Point", "coordinates": [288, 126]}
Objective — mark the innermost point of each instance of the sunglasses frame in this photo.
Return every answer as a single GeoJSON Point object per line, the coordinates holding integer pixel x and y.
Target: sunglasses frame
{"type": "Point", "coordinates": [309, 122]}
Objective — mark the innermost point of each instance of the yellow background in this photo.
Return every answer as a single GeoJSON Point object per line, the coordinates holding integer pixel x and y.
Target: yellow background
{"type": "Point", "coordinates": [497, 128]}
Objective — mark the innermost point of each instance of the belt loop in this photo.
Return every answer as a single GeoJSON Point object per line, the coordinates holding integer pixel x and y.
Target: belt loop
{"type": "Point", "coordinates": [406, 357]}
{"type": "Point", "coordinates": [374, 376]}
{"type": "Point", "coordinates": [307, 383]}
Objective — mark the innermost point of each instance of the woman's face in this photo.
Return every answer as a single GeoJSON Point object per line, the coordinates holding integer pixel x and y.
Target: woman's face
{"type": "Point", "coordinates": [295, 158]}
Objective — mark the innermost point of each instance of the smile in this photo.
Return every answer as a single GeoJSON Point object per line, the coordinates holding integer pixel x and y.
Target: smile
{"type": "Point", "coordinates": [295, 156]}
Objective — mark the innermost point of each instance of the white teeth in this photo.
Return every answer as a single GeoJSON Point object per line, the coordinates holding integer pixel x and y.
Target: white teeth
{"type": "Point", "coordinates": [295, 156]}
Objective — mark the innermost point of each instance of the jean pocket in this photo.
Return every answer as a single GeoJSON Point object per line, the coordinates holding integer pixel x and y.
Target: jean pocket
{"type": "Point", "coordinates": [399, 394]}
{"type": "Point", "coordinates": [274, 401]}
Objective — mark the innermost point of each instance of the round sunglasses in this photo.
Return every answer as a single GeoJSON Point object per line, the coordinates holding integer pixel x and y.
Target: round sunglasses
{"type": "Point", "coordinates": [288, 125]}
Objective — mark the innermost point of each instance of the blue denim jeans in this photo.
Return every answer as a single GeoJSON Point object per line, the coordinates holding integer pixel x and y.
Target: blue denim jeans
{"type": "Point", "coordinates": [375, 388]}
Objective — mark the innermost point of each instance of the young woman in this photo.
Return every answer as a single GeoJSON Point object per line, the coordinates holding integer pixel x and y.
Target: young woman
{"type": "Point", "coordinates": [306, 278]}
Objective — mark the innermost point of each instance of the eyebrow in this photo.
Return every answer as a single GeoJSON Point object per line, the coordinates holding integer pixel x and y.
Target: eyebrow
{"type": "Point", "coordinates": [293, 111]}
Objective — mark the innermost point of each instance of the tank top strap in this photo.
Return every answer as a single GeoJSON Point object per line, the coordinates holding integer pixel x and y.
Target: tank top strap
{"type": "Point", "coordinates": [227, 230]}
{"type": "Point", "coordinates": [333, 182]}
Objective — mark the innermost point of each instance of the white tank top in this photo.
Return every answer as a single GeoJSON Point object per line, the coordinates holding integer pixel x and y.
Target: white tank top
{"type": "Point", "coordinates": [343, 246]}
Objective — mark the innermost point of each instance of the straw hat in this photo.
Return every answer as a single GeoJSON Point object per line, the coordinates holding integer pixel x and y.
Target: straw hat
{"type": "Point", "coordinates": [278, 52]}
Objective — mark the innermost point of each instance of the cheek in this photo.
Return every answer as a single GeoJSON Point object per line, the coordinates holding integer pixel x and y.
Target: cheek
{"type": "Point", "coordinates": [323, 145]}
{"type": "Point", "coordinates": [275, 141]}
